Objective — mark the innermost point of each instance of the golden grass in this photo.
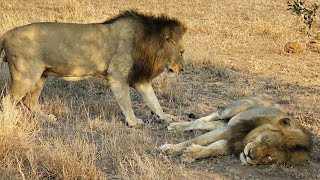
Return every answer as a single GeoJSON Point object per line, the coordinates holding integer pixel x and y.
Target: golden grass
{"type": "Point", "coordinates": [34, 147]}
{"type": "Point", "coordinates": [234, 49]}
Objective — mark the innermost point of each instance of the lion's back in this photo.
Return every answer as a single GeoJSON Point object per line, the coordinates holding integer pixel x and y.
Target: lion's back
{"type": "Point", "coordinates": [70, 49]}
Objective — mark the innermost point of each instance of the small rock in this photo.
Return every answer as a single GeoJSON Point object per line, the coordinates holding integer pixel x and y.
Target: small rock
{"type": "Point", "coordinates": [192, 116]}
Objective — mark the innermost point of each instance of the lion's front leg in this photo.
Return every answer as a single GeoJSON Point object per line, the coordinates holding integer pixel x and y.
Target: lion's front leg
{"type": "Point", "coordinates": [208, 123]}
{"type": "Point", "coordinates": [146, 92]}
{"type": "Point", "coordinates": [121, 92]}
{"type": "Point", "coordinates": [212, 117]}
{"type": "Point", "coordinates": [207, 138]}
{"type": "Point", "coordinates": [195, 151]}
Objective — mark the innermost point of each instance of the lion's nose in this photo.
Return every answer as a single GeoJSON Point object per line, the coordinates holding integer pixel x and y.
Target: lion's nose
{"type": "Point", "coordinates": [250, 154]}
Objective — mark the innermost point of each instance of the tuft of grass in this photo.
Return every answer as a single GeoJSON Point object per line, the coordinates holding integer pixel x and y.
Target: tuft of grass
{"type": "Point", "coordinates": [19, 132]}
{"type": "Point", "coordinates": [69, 159]}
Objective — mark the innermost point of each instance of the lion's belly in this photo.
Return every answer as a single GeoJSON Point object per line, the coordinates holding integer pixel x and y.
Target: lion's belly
{"type": "Point", "coordinates": [75, 78]}
{"type": "Point", "coordinates": [77, 72]}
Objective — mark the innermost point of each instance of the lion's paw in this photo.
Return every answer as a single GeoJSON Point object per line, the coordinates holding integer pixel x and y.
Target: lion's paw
{"type": "Point", "coordinates": [136, 123]}
{"type": "Point", "coordinates": [187, 158]}
{"type": "Point", "coordinates": [191, 153]}
{"type": "Point", "coordinates": [169, 149]}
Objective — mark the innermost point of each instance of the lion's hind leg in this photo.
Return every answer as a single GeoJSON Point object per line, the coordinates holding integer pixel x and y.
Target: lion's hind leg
{"type": "Point", "coordinates": [22, 81]}
{"type": "Point", "coordinates": [32, 98]}
{"type": "Point", "coordinates": [195, 151]}
{"type": "Point", "coordinates": [195, 125]}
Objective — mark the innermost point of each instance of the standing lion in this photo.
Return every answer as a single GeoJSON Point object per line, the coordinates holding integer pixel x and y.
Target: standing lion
{"type": "Point", "coordinates": [128, 50]}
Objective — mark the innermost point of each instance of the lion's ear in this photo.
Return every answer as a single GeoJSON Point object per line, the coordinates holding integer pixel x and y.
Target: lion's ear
{"type": "Point", "coordinates": [168, 35]}
{"type": "Point", "coordinates": [285, 122]}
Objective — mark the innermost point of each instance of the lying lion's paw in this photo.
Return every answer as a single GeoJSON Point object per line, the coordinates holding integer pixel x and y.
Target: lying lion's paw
{"type": "Point", "coordinates": [178, 126]}
{"type": "Point", "coordinates": [194, 149]}
{"type": "Point", "coordinates": [186, 158]}
{"type": "Point", "coordinates": [173, 126]}
{"type": "Point", "coordinates": [169, 149]}
{"type": "Point", "coordinates": [168, 118]}
{"type": "Point", "coordinates": [191, 153]}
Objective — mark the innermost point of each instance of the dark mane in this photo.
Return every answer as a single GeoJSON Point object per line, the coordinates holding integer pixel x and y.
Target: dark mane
{"type": "Point", "coordinates": [239, 131]}
{"type": "Point", "coordinates": [152, 24]}
{"type": "Point", "coordinates": [148, 41]}
{"type": "Point", "coordinates": [160, 21]}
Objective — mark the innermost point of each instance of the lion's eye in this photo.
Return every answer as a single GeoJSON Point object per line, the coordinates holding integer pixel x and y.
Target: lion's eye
{"type": "Point", "coordinates": [171, 41]}
{"type": "Point", "coordinates": [270, 158]}
{"type": "Point", "coordinates": [265, 140]}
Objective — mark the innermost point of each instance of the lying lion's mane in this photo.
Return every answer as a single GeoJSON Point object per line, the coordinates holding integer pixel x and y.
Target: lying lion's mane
{"type": "Point", "coordinates": [239, 131]}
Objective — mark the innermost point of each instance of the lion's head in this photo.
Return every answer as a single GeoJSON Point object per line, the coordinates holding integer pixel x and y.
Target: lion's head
{"type": "Point", "coordinates": [158, 46]}
{"type": "Point", "coordinates": [282, 142]}
{"type": "Point", "coordinates": [174, 51]}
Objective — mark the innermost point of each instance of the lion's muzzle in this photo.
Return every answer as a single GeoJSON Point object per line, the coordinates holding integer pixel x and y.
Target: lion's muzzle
{"type": "Point", "coordinates": [175, 68]}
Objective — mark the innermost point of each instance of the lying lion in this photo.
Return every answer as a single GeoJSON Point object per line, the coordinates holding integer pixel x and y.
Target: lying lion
{"type": "Point", "coordinates": [260, 131]}
{"type": "Point", "coordinates": [128, 50]}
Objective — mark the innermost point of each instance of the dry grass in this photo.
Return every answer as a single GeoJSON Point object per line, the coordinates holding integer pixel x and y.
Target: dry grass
{"type": "Point", "coordinates": [234, 49]}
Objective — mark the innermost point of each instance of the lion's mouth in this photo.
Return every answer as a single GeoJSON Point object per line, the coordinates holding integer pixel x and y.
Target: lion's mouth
{"type": "Point", "coordinates": [246, 159]}
{"type": "Point", "coordinates": [245, 156]}
{"type": "Point", "coordinates": [248, 156]}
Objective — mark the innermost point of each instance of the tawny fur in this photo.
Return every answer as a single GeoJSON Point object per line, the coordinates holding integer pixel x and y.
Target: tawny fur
{"type": "Point", "coordinates": [254, 128]}
{"type": "Point", "coordinates": [126, 51]}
